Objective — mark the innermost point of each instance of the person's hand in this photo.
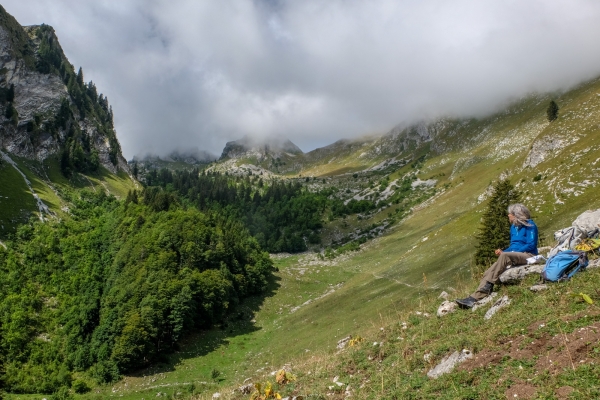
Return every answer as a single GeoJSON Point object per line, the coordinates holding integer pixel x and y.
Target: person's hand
{"type": "Point", "coordinates": [498, 252]}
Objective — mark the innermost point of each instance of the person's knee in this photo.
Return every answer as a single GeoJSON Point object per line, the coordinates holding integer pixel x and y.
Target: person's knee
{"type": "Point", "coordinates": [503, 257]}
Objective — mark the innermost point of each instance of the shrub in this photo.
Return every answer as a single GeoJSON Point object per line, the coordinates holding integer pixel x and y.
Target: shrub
{"type": "Point", "coordinates": [80, 387]}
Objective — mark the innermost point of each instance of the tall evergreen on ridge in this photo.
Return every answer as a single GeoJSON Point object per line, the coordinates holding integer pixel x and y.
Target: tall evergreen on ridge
{"type": "Point", "coordinates": [494, 232]}
{"type": "Point", "coordinates": [552, 111]}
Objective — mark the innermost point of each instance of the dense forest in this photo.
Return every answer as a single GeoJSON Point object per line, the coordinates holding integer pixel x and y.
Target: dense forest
{"type": "Point", "coordinates": [116, 285]}
{"type": "Point", "coordinates": [282, 216]}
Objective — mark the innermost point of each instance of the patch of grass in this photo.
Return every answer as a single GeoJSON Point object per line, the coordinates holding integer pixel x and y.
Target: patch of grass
{"type": "Point", "coordinates": [16, 200]}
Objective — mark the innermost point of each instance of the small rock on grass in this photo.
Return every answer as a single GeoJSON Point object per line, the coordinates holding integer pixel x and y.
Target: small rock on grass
{"type": "Point", "coordinates": [449, 362]}
{"type": "Point", "coordinates": [444, 295]}
{"type": "Point", "coordinates": [538, 288]}
{"type": "Point", "coordinates": [343, 342]}
{"type": "Point", "coordinates": [446, 307]}
{"type": "Point", "coordinates": [246, 389]}
{"type": "Point", "coordinates": [503, 302]}
{"type": "Point", "coordinates": [484, 301]}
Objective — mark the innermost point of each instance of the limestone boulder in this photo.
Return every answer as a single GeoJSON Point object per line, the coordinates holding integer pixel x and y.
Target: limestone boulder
{"type": "Point", "coordinates": [448, 363]}
{"type": "Point", "coordinates": [517, 273]}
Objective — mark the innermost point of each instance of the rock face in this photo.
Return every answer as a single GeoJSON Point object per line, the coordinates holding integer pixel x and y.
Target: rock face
{"type": "Point", "coordinates": [545, 148]}
{"type": "Point", "coordinates": [37, 94]}
{"type": "Point", "coordinates": [259, 148]}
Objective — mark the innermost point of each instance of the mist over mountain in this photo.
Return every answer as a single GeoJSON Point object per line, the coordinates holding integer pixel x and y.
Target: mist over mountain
{"type": "Point", "coordinates": [273, 146]}
{"type": "Point", "coordinates": [188, 275]}
{"type": "Point", "coordinates": [203, 74]}
{"type": "Point", "coordinates": [188, 156]}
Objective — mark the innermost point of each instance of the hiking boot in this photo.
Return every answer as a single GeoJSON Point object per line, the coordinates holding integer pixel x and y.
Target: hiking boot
{"type": "Point", "coordinates": [469, 302]}
{"type": "Point", "coordinates": [488, 288]}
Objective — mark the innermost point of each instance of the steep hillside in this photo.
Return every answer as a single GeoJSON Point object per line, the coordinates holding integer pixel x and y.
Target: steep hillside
{"type": "Point", "coordinates": [320, 301]}
{"type": "Point", "coordinates": [56, 131]}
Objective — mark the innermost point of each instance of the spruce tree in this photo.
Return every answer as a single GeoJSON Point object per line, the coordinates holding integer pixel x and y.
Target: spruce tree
{"type": "Point", "coordinates": [10, 95]}
{"type": "Point", "coordinates": [494, 232]}
{"type": "Point", "coordinates": [552, 111]}
{"type": "Point", "coordinates": [80, 77]}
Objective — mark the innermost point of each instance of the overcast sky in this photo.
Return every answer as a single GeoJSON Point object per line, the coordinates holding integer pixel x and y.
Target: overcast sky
{"type": "Point", "coordinates": [198, 73]}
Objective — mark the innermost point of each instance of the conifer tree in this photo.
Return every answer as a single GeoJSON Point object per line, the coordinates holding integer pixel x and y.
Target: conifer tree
{"type": "Point", "coordinates": [10, 95]}
{"type": "Point", "coordinates": [552, 111]}
{"type": "Point", "coordinates": [494, 232]}
{"type": "Point", "coordinates": [80, 77]}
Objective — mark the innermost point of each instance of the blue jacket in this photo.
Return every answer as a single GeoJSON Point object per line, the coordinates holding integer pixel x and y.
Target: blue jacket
{"type": "Point", "coordinates": [524, 239]}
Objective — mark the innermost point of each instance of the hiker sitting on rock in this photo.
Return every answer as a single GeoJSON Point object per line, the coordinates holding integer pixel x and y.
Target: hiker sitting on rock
{"type": "Point", "coordinates": [523, 244]}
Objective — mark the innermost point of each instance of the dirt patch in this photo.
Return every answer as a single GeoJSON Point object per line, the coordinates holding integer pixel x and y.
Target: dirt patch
{"type": "Point", "coordinates": [564, 392]}
{"type": "Point", "coordinates": [525, 348]}
{"type": "Point", "coordinates": [581, 314]}
{"type": "Point", "coordinates": [482, 359]}
{"type": "Point", "coordinates": [535, 326]}
{"type": "Point", "coordinates": [553, 353]}
{"type": "Point", "coordinates": [521, 391]}
{"type": "Point", "coordinates": [569, 350]}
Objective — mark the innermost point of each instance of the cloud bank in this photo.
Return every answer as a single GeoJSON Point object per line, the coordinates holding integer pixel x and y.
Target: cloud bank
{"type": "Point", "coordinates": [201, 73]}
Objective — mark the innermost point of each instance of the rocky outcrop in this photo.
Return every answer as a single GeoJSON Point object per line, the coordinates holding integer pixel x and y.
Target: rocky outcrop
{"type": "Point", "coordinates": [545, 147]}
{"type": "Point", "coordinates": [260, 148]}
{"type": "Point", "coordinates": [449, 362]}
{"type": "Point", "coordinates": [503, 302]}
{"type": "Point", "coordinates": [484, 301]}
{"type": "Point", "coordinates": [37, 99]}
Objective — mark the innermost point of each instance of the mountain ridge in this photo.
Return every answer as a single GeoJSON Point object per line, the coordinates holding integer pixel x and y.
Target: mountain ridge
{"type": "Point", "coordinates": [56, 131]}
{"type": "Point", "coordinates": [34, 67]}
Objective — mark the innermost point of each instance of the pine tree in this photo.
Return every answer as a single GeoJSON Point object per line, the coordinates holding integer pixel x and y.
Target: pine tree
{"type": "Point", "coordinates": [552, 111]}
{"type": "Point", "coordinates": [10, 95]}
{"type": "Point", "coordinates": [80, 77]}
{"type": "Point", "coordinates": [495, 227]}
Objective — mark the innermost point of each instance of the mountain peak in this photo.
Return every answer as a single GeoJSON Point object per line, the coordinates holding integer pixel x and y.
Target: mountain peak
{"type": "Point", "coordinates": [248, 146]}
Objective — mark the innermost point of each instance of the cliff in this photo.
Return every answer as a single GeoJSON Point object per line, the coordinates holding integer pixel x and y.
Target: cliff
{"type": "Point", "coordinates": [46, 108]}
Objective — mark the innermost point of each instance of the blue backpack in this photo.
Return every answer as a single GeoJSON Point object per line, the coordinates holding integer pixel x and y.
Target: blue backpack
{"type": "Point", "coordinates": [564, 265]}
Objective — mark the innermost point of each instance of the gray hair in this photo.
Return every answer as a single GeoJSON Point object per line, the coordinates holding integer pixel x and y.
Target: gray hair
{"type": "Point", "coordinates": [521, 214]}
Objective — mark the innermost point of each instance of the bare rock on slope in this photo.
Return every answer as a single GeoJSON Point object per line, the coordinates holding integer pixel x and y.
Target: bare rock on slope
{"type": "Point", "coordinates": [449, 362]}
{"type": "Point", "coordinates": [503, 302]}
{"type": "Point", "coordinates": [519, 272]}
{"type": "Point", "coordinates": [545, 147]}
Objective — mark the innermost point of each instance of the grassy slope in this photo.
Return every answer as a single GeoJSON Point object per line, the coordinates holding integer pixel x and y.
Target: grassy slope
{"type": "Point", "coordinates": [404, 270]}
{"type": "Point", "coordinates": [17, 204]}
{"type": "Point", "coordinates": [16, 201]}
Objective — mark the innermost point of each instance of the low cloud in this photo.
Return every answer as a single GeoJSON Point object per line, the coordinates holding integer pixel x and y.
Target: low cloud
{"type": "Point", "coordinates": [191, 74]}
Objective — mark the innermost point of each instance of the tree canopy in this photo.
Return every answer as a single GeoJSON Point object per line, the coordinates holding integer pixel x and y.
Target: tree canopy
{"type": "Point", "coordinates": [115, 286]}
